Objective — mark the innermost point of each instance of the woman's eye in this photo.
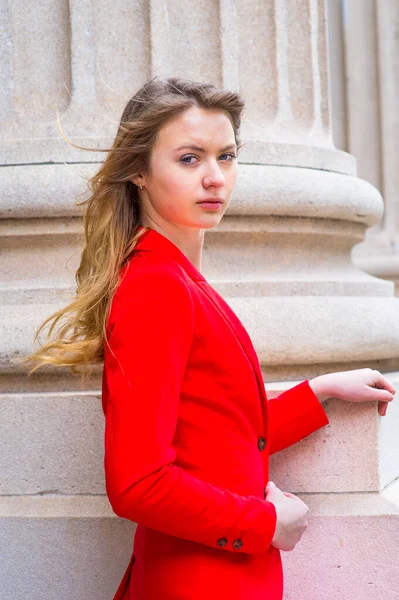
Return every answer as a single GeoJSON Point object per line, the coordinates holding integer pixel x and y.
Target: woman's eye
{"type": "Point", "coordinates": [184, 158]}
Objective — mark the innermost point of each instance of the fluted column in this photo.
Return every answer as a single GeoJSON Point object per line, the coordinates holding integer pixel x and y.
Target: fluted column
{"type": "Point", "coordinates": [282, 254]}
{"type": "Point", "coordinates": [379, 254]}
{"type": "Point", "coordinates": [281, 257]}
{"type": "Point", "coordinates": [80, 62]}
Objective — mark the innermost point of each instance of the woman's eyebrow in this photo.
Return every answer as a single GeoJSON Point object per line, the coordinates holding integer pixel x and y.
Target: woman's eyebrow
{"type": "Point", "coordinates": [199, 149]}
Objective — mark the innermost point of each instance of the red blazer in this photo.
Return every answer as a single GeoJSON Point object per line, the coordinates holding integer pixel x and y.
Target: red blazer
{"type": "Point", "coordinates": [188, 434]}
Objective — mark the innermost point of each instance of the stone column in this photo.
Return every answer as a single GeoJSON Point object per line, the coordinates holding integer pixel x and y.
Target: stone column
{"type": "Point", "coordinates": [281, 258]}
{"type": "Point", "coordinates": [372, 58]}
{"type": "Point", "coordinates": [59, 536]}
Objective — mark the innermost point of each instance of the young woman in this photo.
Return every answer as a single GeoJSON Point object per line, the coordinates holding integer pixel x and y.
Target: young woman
{"type": "Point", "coordinates": [188, 427]}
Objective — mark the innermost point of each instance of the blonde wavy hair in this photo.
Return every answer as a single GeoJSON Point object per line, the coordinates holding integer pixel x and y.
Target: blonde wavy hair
{"type": "Point", "coordinates": [112, 216]}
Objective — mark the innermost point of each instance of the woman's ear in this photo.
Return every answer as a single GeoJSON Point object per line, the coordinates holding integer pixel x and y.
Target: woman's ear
{"type": "Point", "coordinates": [137, 180]}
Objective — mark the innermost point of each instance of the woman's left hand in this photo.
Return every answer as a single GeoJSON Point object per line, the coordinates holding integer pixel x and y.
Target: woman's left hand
{"type": "Point", "coordinates": [359, 385]}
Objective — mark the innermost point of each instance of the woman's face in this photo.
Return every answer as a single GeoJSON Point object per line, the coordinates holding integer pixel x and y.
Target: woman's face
{"type": "Point", "coordinates": [181, 176]}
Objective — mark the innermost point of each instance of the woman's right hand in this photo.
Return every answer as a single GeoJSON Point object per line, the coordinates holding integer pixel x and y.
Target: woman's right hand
{"type": "Point", "coordinates": [292, 517]}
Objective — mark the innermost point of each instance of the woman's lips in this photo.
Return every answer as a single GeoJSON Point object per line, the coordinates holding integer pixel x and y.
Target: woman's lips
{"type": "Point", "coordinates": [211, 199]}
{"type": "Point", "coordinates": [213, 205]}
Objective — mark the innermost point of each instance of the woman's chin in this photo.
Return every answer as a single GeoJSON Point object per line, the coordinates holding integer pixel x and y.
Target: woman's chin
{"type": "Point", "coordinates": [209, 221]}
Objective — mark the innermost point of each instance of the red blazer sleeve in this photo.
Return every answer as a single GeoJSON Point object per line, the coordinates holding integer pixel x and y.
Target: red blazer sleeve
{"type": "Point", "coordinates": [150, 341]}
{"type": "Point", "coordinates": [293, 415]}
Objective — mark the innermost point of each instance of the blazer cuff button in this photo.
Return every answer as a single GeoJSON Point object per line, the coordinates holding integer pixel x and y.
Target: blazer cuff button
{"type": "Point", "coordinates": [222, 542]}
{"type": "Point", "coordinates": [237, 544]}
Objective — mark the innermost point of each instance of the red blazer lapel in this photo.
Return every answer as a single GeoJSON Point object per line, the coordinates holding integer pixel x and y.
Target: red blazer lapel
{"type": "Point", "coordinates": [239, 330]}
{"type": "Point", "coordinates": [154, 241]}
{"type": "Point", "coordinates": [233, 321]}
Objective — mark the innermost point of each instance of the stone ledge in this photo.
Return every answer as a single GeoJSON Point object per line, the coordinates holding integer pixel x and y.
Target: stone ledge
{"type": "Point", "coordinates": [355, 504]}
{"type": "Point", "coordinates": [55, 506]}
{"type": "Point", "coordinates": [321, 505]}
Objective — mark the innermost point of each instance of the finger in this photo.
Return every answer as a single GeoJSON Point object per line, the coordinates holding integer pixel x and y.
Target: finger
{"type": "Point", "coordinates": [273, 489]}
{"type": "Point", "coordinates": [382, 408]}
{"type": "Point", "coordinates": [382, 395]}
{"type": "Point", "coordinates": [384, 384]}
{"type": "Point", "coordinates": [269, 487]}
{"type": "Point", "coordinates": [289, 495]}
{"type": "Point", "coordinates": [387, 384]}
{"type": "Point", "coordinates": [389, 387]}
